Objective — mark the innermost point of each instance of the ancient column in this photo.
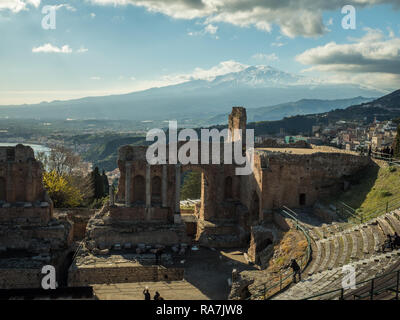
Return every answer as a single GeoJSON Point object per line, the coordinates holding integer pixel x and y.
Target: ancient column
{"type": "Point", "coordinates": [148, 189]}
{"type": "Point", "coordinates": [164, 183]}
{"type": "Point", "coordinates": [128, 174]}
{"type": "Point", "coordinates": [177, 216]}
{"type": "Point", "coordinates": [111, 195]}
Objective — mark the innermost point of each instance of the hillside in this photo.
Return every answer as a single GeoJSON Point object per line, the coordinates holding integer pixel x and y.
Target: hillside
{"type": "Point", "coordinates": [384, 108]}
{"type": "Point", "coordinates": [301, 107]}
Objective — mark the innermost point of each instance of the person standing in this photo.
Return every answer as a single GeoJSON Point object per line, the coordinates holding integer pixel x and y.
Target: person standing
{"type": "Point", "coordinates": [146, 294]}
{"type": "Point", "coordinates": [296, 270]}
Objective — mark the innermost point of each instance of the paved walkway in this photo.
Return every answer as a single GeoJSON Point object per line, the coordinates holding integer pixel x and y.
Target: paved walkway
{"type": "Point", "coordinates": [173, 290]}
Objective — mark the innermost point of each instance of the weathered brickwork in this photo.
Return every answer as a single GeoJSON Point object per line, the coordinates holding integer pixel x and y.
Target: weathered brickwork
{"type": "Point", "coordinates": [84, 276]}
{"type": "Point", "coordinates": [30, 237]}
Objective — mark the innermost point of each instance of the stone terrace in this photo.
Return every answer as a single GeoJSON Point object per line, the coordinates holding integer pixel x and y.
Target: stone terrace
{"type": "Point", "coordinates": [334, 247]}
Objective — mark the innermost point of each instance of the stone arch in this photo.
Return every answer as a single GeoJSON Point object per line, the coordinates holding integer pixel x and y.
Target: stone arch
{"type": "Point", "coordinates": [228, 188]}
{"type": "Point", "coordinates": [156, 189]}
{"type": "Point", "coordinates": [3, 189]}
{"type": "Point", "coordinates": [139, 189]}
{"type": "Point", "coordinates": [255, 208]}
{"type": "Point", "coordinates": [20, 189]}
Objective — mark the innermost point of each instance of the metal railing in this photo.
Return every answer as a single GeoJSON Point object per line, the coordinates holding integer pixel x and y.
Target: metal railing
{"type": "Point", "coordinates": [344, 211]}
{"type": "Point", "coordinates": [372, 292]}
{"type": "Point", "coordinates": [385, 157]}
{"type": "Point", "coordinates": [283, 280]}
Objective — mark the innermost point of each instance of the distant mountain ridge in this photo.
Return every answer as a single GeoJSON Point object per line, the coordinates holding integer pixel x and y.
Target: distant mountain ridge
{"type": "Point", "coordinates": [301, 107]}
{"type": "Point", "coordinates": [252, 87]}
{"type": "Point", "coordinates": [384, 108]}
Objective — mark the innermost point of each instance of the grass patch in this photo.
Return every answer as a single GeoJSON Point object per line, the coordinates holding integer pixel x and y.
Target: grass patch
{"type": "Point", "coordinates": [371, 189]}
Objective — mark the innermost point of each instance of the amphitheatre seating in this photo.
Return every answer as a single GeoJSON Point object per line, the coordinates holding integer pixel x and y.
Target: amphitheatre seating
{"type": "Point", "coordinates": [335, 246]}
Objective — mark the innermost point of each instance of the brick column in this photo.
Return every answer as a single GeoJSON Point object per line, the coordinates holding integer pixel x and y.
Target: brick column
{"type": "Point", "coordinates": [111, 191]}
{"type": "Point", "coordinates": [128, 179]}
{"type": "Point", "coordinates": [177, 216]}
{"type": "Point", "coordinates": [164, 184]}
{"type": "Point", "coordinates": [148, 186]}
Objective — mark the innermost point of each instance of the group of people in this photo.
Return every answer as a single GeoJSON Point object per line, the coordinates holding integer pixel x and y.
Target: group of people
{"type": "Point", "coordinates": [392, 242]}
{"type": "Point", "coordinates": [147, 295]}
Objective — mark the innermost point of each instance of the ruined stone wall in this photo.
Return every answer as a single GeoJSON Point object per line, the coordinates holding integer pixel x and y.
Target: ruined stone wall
{"type": "Point", "coordinates": [29, 235]}
{"type": "Point", "coordinates": [20, 176]}
{"type": "Point", "coordinates": [20, 278]}
{"type": "Point", "coordinates": [122, 274]}
{"type": "Point", "coordinates": [78, 217]}
{"type": "Point", "coordinates": [297, 180]}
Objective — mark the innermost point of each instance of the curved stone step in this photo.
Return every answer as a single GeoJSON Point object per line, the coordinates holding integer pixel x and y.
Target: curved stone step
{"type": "Point", "coordinates": [395, 224]}
{"type": "Point", "coordinates": [335, 255]}
{"type": "Point", "coordinates": [396, 214]}
{"type": "Point", "coordinates": [346, 251]}
{"type": "Point", "coordinates": [386, 228]}
{"type": "Point", "coordinates": [354, 248]}
{"type": "Point", "coordinates": [314, 234]}
{"type": "Point", "coordinates": [327, 257]}
{"type": "Point", "coordinates": [377, 242]}
{"type": "Point", "coordinates": [365, 247]}
{"type": "Point", "coordinates": [332, 279]}
{"type": "Point", "coordinates": [315, 264]}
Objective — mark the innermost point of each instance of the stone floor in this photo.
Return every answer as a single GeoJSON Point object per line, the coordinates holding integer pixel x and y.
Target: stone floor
{"type": "Point", "coordinates": [206, 277]}
{"type": "Point", "coordinates": [173, 290]}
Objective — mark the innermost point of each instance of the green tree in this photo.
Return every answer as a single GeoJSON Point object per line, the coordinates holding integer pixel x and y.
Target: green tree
{"type": "Point", "coordinates": [191, 188]}
{"type": "Point", "coordinates": [61, 191]}
{"type": "Point", "coordinates": [98, 184]}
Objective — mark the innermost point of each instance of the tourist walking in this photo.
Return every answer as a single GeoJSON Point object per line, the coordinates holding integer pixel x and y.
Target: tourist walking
{"type": "Point", "coordinates": [296, 270]}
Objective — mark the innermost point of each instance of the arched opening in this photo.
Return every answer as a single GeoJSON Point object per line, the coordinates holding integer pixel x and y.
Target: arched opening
{"type": "Point", "coordinates": [255, 210]}
{"type": "Point", "coordinates": [3, 195]}
{"type": "Point", "coordinates": [139, 191]}
{"type": "Point", "coordinates": [20, 188]}
{"type": "Point", "coordinates": [302, 199]}
{"type": "Point", "coordinates": [228, 194]}
{"type": "Point", "coordinates": [156, 190]}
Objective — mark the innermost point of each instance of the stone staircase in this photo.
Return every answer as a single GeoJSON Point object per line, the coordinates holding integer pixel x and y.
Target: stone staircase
{"type": "Point", "coordinates": [336, 245]}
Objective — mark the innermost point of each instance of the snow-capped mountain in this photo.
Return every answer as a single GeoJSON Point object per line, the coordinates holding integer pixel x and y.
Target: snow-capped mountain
{"type": "Point", "coordinates": [254, 86]}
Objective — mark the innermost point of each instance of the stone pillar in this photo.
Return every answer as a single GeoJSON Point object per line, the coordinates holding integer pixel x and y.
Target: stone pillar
{"type": "Point", "coordinates": [9, 187]}
{"type": "Point", "coordinates": [177, 216]}
{"type": "Point", "coordinates": [112, 202]}
{"type": "Point", "coordinates": [164, 184]}
{"type": "Point", "coordinates": [148, 186]}
{"type": "Point", "coordinates": [128, 174]}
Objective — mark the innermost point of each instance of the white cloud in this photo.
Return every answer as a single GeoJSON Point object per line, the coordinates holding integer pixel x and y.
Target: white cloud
{"type": "Point", "coordinates": [372, 59]}
{"type": "Point", "coordinates": [95, 78]}
{"type": "Point", "coordinates": [294, 17]}
{"type": "Point", "coordinates": [82, 50]}
{"type": "Point", "coordinates": [208, 29]}
{"type": "Point", "coordinates": [93, 15]}
{"type": "Point", "coordinates": [66, 6]}
{"type": "Point", "coordinates": [210, 74]}
{"type": "Point", "coordinates": [211, 29]}
{"type": "Point", "coordinates": [265, 57]}
{"type": "Point", "coordinates": [49, 48]}
{"type": "Point", "coordinates": [18, 5]}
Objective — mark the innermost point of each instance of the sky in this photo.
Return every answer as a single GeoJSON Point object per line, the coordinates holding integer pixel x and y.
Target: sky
{"type": "Point", "coordinates": [101, 47]}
